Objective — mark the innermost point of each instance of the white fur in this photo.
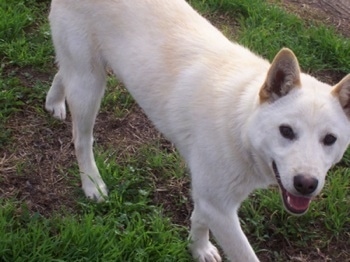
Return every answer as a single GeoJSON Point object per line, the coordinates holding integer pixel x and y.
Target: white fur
{"type": "Point", "coordinates": [203, 93]}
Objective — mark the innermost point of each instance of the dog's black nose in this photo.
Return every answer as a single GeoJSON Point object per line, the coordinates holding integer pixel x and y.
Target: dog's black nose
{"type": "Point", "coordinates": [305, 184]}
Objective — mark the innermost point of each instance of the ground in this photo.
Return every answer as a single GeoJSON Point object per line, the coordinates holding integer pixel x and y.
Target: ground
{"type": "Point", "coordinates": [38, 179]}
{"type": "Point", "coordinates": [332, 12]}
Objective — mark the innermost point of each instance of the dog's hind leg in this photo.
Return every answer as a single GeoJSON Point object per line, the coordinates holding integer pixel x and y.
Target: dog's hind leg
{"type": "Point", "coordinates": [84, 91]}
{"type": "Point", "coordinates": [55, 99]}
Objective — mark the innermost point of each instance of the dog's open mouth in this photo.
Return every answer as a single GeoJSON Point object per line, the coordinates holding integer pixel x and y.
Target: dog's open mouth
{"type": "Point", "coordinates": [296, 205]}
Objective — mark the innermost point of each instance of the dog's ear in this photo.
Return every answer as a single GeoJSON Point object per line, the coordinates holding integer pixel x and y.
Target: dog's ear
{"type": "Point", "coordinates": [283, 76]}
{"type": "Point", "coordinates": [342, 91]}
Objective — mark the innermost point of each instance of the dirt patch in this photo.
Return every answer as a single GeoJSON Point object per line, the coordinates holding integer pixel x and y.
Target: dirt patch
{"type": "Point", "coordinates": [331, 12]}
{"type": "Point", "coordinates": [31, 169]}
{"type": "Point", "coordinates": [37, 168]}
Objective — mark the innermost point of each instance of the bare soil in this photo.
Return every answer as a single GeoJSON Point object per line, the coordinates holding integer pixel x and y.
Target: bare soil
{"type": "Point", "coordinates": [331, 12]}
{"type": "Point", "coordinates": [35, 167]}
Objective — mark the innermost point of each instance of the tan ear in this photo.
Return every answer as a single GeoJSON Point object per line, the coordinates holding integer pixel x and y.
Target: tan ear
{"type": "Point", "coordinates": [342, 91]}
{"type": "Point", "coordinates": [282, 77]}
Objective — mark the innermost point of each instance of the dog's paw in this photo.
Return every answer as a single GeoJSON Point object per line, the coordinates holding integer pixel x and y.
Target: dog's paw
{"type": "Point", "coordinates": [58, 110]}
{"type": "Point", "coordinates": [95, 191]}
{"type": "Point", "coordinates": [205, 253]}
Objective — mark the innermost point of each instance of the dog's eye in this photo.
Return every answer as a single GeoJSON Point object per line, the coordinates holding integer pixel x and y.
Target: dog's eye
{"type": "Point", "coordinates": [287, 132]}
{"type": "Point", "coordinates": [329, 140]}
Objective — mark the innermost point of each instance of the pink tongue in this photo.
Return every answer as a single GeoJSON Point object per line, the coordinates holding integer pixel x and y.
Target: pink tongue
{"type": "Point", "coordinates": [298, 202]}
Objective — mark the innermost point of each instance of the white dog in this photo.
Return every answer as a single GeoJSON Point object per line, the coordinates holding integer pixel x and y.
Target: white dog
{"type": "Point", "coordinates": [239, 122]}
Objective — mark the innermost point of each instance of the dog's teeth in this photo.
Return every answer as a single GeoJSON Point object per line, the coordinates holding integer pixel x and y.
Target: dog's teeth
{"type": "Point", "coordinates": [288, 199]}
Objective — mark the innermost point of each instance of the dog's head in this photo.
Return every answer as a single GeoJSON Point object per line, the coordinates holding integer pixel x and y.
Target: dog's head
{"type": "Point", "coordinates": [300, 128]}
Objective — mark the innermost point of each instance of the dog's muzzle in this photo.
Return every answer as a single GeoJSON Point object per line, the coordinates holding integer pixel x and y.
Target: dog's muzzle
{"type": "Point", "coordinates": [296, 205]}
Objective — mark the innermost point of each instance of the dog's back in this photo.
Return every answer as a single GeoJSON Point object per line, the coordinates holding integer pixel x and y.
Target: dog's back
{"type": "Point", "coordinates": [156, 48]}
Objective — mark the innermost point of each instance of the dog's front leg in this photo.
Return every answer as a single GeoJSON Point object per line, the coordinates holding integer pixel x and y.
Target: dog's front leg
{"type": "Point", "coordinates": [227, 231]}
{"type": "Point", "coordinates": [201, 248]}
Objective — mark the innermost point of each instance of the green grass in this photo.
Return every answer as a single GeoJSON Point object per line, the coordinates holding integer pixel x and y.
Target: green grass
{"type": "Point", "coordinates": [24, 34]}
{"type": "Point", "coordinates": [129, 227]}
{"type": "Point", "coordinates": [265, 29]}
{"type": "Point", "coordinates": [24, 42]}
{"type": "Point", "coordinates": [117, 100]}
